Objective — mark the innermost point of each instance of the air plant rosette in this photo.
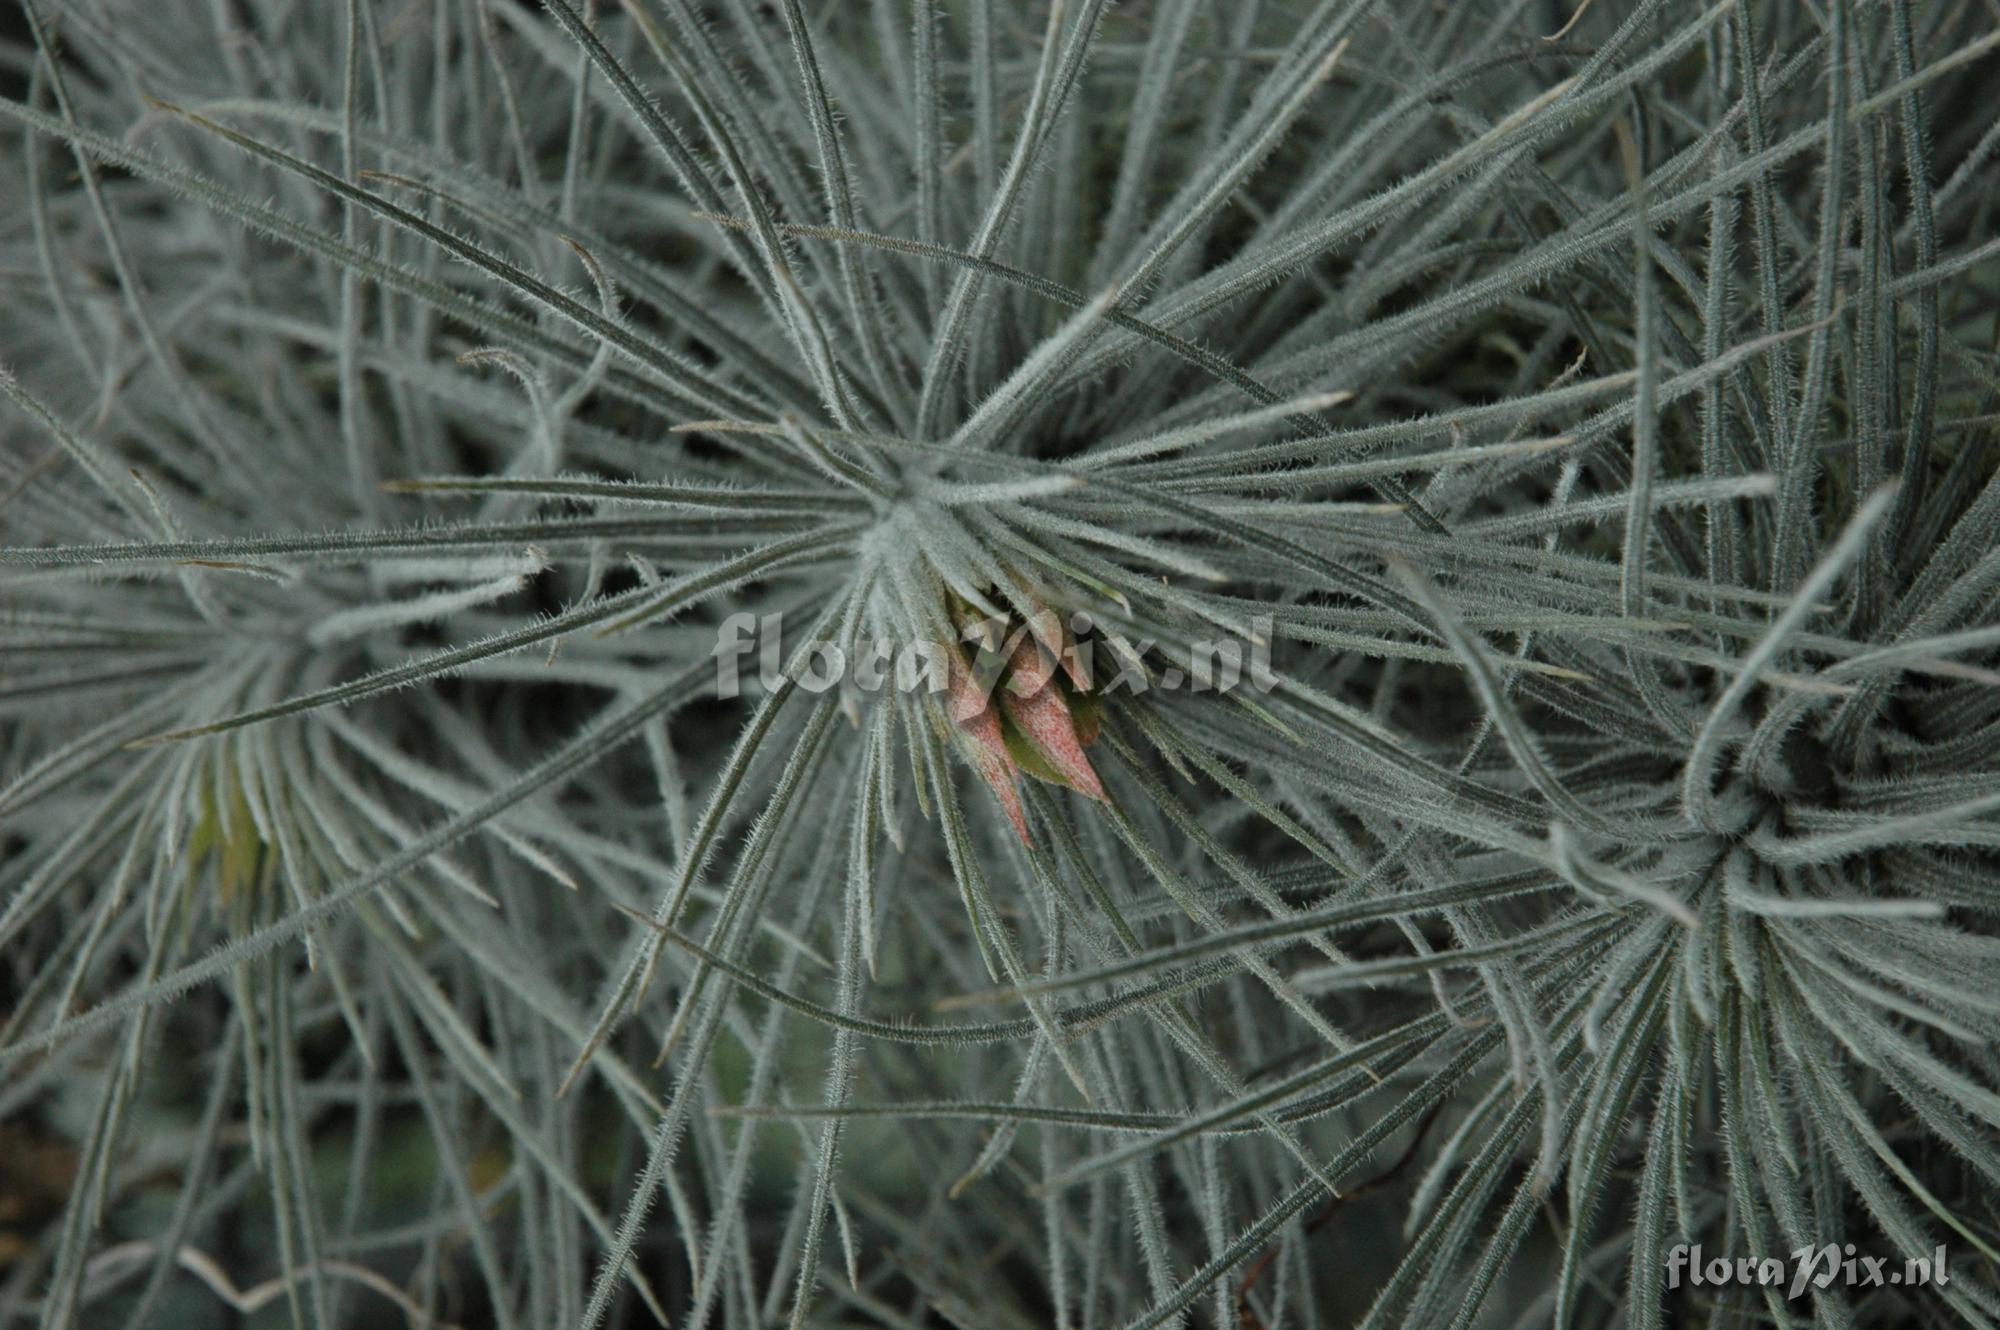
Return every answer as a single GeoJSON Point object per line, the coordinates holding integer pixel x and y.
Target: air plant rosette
{"type": "Point", "coordinates": [1437, 565]}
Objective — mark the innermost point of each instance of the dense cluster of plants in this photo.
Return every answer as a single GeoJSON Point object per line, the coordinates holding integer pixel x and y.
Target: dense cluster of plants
{"type": "Point", "coordinates": [1581, 418]}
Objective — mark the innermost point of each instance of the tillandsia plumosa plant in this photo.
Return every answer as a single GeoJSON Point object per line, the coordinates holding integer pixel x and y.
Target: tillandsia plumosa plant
{"type": "Point", "coordinates": [952, 663]}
